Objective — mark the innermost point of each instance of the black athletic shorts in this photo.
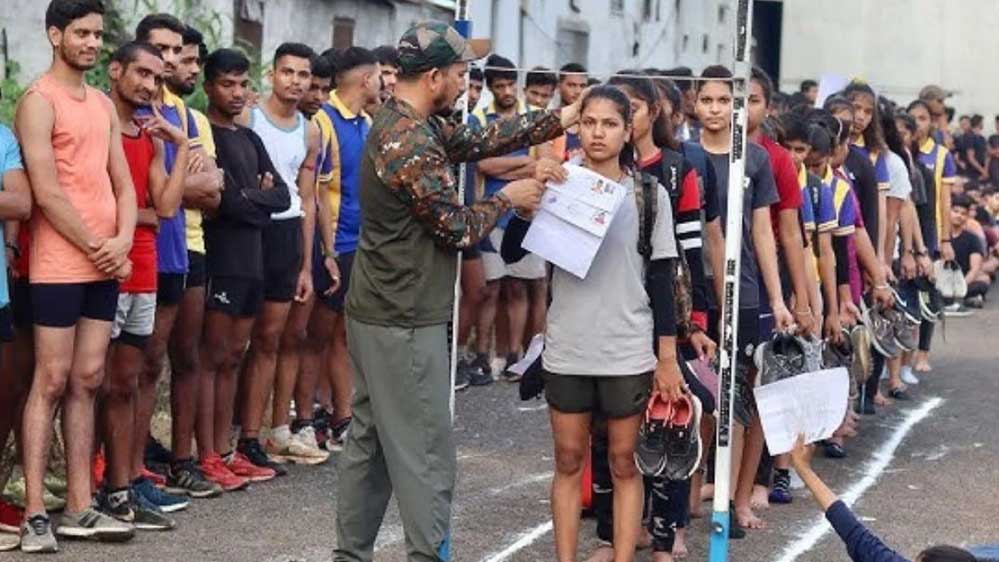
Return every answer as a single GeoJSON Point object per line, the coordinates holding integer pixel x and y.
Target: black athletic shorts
{"type": "Point", "coordinates": [321, 281]}
{"type": "Point", "coordinates": [197, 270]}
{"type": "Point", "coordinates": [749, 337]}
{"type": "Point", "coordinates": [6, 324]}
{"type": "Point", "coordinates": [282, 259]}
{"type": "Point", "coordinates": [20, 304]}
{"type": "Point", "coordinates": [61, 305]}
{"type": "Point", "coordinates": [170, 288]}
{"type": "Point", "coordinates": [614, 396]}
{"type": "Point", "coordinates": [235, 296]}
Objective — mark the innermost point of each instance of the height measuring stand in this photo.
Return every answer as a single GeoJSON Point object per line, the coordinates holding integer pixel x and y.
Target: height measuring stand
{"type": "Point", "coordinates": [464, 26]}
{"type": "Point", "coordinates": [720, 518]}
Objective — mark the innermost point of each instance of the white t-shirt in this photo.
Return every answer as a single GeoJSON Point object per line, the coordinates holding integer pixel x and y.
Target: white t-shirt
{"type": "Point", "coordinates": [602, 325]}
{"type": "Point", "coordinates": [899, 186]}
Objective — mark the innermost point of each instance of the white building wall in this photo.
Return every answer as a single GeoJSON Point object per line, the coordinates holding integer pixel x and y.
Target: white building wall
{"type": "Point", "coordinates": [898, 46]}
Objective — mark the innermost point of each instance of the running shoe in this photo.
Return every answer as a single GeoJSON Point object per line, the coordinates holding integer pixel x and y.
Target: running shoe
{"type": "Point", "coordinates": [957, 310]}
{"type": "Point", "coordinates": [813, 352]}
{"type": "Point", "coordinates": [930, 300]}
{"type": "Point", "coordinates": [508, 375]}
{"type": "Point", "coordinates": [156, 453]}
{"type": "Point", "coordinates": [908, 376]}
{"type": "Point", "coordinates": [781, 357]}
{"type": "Point", "coordinates": [860, 367]}
{"type": "Point", "coordinates": [881, 328]}
{"type": "Point", "coordinates": [11, 517]}
{"type": "Point", "coordinates": [298, 448]}
{"type": "Point", "coordinates": [36, 535]}
{"type": "Point", "coordinates": [907, 300]}
{"type": "Point", "coordinates": [307, 437]}
{"type": "Point", "coordinates": [781, 491]}
{"type": "Point", "coordinates": [653, 438]}
{"type": "Point", "coordinates": [338, 435]}
{"type": "Point", "coordinates": [144, 489]}
{"type": "Point", "coordinates": [838, 355]}
{"type": "Point", "coordinates": [977, 301]}
{"type": "Point", "coordinates": [477, 376]}
{"type": "Point", "coordinates": [149, 517]}
{"type": "Point", "coordinates": [482, 363]}
{"type": "Point", "coordinates": [243, 467]}
{"type": "Point", "coordinates": [157, 479]}
{"type": "Point", "coordinates": [9, 541]}
{"type": "Point", "coordinates": [98, 469]}
{"type": "Point", "coordinates": [92, 524]}
{"type": "Point", "coordinates": [117, 504]}
{"type": "Point", "coordinates": [683, 438]}
{"type": "Point", "coordinates": [461, 380]}
{"type": "Point", "coordinates": [215, 470]}
{"type": "Point", "coordinates": [906, 333]}
{"type": "Point", "coordinates": [186, 479]}
{"type": "Point", "coordinates": [900, 394]}
{"type": "Point", "coordinates": [253, 451]}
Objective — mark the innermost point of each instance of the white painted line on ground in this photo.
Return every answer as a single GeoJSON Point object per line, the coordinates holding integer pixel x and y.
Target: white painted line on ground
{"type": "Point", "coordinates": [532, 408]}
{"type": "Point", "coordinates": [880, 460]}
{"type": "Point", "coordinates": [540, 477]}
{"type": "Point", "coordinates": [524, 540]}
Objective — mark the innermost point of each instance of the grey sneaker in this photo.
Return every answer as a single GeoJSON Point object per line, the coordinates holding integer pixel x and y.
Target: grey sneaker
{"type": "Point", "coordinates": [813, 352]}
{"type": "Point", "coordinates": [9, 541]}
{"type": "Point", "coordinates": [187, 479]}
{"type": "Point", "coordinates": [683, 437]}
{"type": "Point", "coordinates": [957, 310]}
{"type": "Point", "coordinates": [92, 524]}
{"type": "Point", "coordinates": [781, 357]}
{"type": "Point", "coordinates": [148, 517]}
{"type": "Point", "coordinates": [36, 535]}
{"type": "Point", "coordinates": [881, 329]}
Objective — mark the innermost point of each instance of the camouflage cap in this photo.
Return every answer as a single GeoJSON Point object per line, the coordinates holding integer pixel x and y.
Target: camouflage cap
{"type": "Point", "coordinates": [934, 93]}
{"type": "Point", "coordinates": [434, 44]}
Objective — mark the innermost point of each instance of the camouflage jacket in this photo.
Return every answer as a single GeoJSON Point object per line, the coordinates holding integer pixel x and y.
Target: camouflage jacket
{"type": "Point", "coordinates": [412, 223]}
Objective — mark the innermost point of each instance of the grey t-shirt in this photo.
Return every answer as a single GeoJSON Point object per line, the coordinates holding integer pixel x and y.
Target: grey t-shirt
{"type": "Point", "coordinates": [761, 191]}
{"type": "Point", "coordinates": [602, 325]}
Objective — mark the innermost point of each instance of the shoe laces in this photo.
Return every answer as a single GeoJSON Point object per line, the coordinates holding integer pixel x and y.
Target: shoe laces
{"type": "Point", "coordinates": [39, 524]}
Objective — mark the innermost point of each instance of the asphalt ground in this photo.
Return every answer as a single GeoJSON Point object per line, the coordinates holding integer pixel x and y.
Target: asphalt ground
{"type": "Point", "coordinates": [922, 473]}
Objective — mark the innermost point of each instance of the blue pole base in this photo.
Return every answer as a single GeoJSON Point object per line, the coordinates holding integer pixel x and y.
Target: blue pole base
{"type": "Point", "coordinates": [718, 551]}
{"type": "Point", "coordinates": [444, 550]}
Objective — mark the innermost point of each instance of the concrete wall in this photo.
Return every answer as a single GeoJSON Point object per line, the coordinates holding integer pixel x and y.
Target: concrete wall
{"type": "Point", "coordinates": [897, 45]}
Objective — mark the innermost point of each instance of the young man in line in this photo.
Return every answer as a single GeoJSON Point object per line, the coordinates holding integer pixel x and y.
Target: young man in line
{"type": "Point", "coordinates": [184, 476]}
{"type": "Point", "coordinates": [758, 267]}
{"type": "Point", "coordinates": [201, 187]}
{"type": "Point", "coordinates": [80, 240]}
{"type": "Point", "coordinates": [136, 71]}
{"type": "Point", "coordinates": [388, 68]}
{"type": "Point", "coordinates": [969, 252]}
{"type": "Point", "coordinates": [810, 91]}
{"type": "Point", "coordinates": [15, 206]}
{"type": "Point", "coordinates": [572, 80]}
{"type": "Point", "coordinates": [292, 142]}
{"type": "Point", "coordinates": [539, 87]}
{"type": "Point", "coordinates": [234, 242]}
{"type": "Point", "coordinates": [326, 348]}
{"type": "Point", "coordinates": [511, 280]}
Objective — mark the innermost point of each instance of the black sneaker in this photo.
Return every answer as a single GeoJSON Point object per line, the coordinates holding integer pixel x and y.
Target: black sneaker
{"type": "Point", "coordinates": [653, 438]}
{"type": "Point", "coordinates": [156, 453]}
{"type": "Point", "coordinates": [186, 479]}
{"type": "Point", "coordinates": [148, 517]}
{"type": "Point", "coordinates": [338, 435]}
{"type": "Point", "coordinates": [781, 491]}
{"type": "Point", "coordinates": [117, 504]}
{"type": "Point", "coordinates": [735, 530]}
{"type": "Point", "coordinates": [476, 376]}
{"type": "Point", "coordinates": [683, 438]}
{"type": "Point", "coordinates": [508, 375]}
{"type": "Point", "coordinates": [781, 357]}
{"type": "Point", "coordinates": [461, 380]}
{"type": "Point", "coordinates": [254, 452]}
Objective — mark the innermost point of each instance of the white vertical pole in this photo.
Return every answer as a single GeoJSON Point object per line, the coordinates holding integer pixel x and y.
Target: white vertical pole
{"type": "Point", "coordinates": [720, 520]}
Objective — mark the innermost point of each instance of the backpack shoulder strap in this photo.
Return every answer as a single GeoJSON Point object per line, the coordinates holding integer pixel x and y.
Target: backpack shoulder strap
{"type": "Point", "coordinates": [646, 201]}
{"type": "Point", "coordinates": [814, 186]}
{"type": "Point", "coordinates": [672, 168]}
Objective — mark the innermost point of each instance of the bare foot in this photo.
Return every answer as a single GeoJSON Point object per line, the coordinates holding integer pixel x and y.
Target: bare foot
{"type": "Point", "coordinates": [644, 540]}
{"type": "Point", "coordinates": [603, 553]}
{"type": "Point", "coordinates": [680, 544]}
{"type": "Point", "coordinates": [748, 520]}
{"type": "Point", "coordinates": [922, 366]}
{"type": "Point", "coordinates": [760, 498]}
{"type": "Point", "coordinates": [662, 557]}
{"type": "Point", "coordinates": [707, 492]}
{"type": "Point", "coordinates": [696, 511]}
{"type": "Point", "coordinates": [880, 400]}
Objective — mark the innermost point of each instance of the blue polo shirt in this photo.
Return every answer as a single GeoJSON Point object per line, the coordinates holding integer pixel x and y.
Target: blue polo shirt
{"type": "Point", "coordinates": [10, 159]}
{"type": "Point", "coordinates": [350, 132]}
{"type": "Point", "coordinates": [480, 119]}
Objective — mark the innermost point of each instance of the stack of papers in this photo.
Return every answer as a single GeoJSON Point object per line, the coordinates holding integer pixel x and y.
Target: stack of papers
{"type": "Point", "coordinates": [573, 219]}
{"type": "Point", "coordinates": [811, 404]}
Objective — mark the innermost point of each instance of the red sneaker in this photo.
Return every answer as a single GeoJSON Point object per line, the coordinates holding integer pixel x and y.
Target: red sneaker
{"type": "Point", "coordinates": [156, 478]}
{"type": "Point", "coordinates": [241, 466]}
{"type": "Point", "coordinates": [99, 468]}
{"type": "Point", "coordinates": [11, 517]}
{"type": "Point", "coordinates": [216, 471]}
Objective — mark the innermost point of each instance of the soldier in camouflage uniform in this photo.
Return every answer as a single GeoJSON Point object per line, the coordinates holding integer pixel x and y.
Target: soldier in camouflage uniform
{"type": "Point", "coordinates": [402, 292]}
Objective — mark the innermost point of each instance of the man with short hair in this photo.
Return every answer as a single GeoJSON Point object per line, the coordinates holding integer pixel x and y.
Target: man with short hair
{"type": "Point", "coordinates": [539, 87]}
{"type": "Point", "coordinates": [135, 72]}
{"type": "Point", "coordinates": [810, 90]}
{"type": "Point", "coordinates": [969, 253]}
{"type": "Point", "coordinates": [572, 80]}
{"type": "Point", "coordinates": [975, 150]}
{"type": "Point", "coordinates": [388, 66]}
{"type": "Point", "coordinates": [254, 190]}
{"type": "Point", "coordinates": [292, 142]}
{"type": "Point", "coordinates": [936, 99]}
{"type": "Point", "coordinates": [402, 296]}
{"type": "Point", "coordinates": [689, 129]}
{"type": "Point", "coordinates": [326, 348]}
{"type": "Point", "coordinates": [475, 84]}
{"type": "Point", "coordinates": [512, 279]}
{"type": "Point", "coordinates": [80, 240]}
{"type": "Point", "coordinates": [184, 476]}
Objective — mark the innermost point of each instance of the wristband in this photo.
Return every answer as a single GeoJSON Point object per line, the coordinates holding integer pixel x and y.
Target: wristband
{"type": "Point", "coordinates": [504, 198]}
{"type": "Point", "coordinates": [331, 254]}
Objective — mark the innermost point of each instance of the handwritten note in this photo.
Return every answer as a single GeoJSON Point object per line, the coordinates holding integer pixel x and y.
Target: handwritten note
{"type": "Point", "coordinates": [811, 404]}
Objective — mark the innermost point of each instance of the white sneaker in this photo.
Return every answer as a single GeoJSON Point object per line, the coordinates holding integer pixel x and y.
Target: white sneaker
{"type": "Point", "coordinates": [908, 377]}
{"type": "Point", "coordinates": [304, 443]}
{"type": "Point", "coordinates": [884, 373]}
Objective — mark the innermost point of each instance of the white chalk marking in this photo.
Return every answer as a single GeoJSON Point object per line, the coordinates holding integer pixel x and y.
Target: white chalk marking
{"type": "Point", "coordinates": [532, 408]}
{"type": "Point", "coordinates": [880, 460]}
{"type": "Point", "coordinates": [524, 540]}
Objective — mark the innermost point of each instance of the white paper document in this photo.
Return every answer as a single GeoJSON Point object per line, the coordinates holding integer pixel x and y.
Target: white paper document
{"type": "Point", "coordinates": [573, 219]}
{"type": "Point", "coordinates": [812, 404]}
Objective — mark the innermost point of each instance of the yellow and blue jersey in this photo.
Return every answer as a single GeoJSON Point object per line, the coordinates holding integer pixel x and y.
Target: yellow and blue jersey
{"type": "Point", "coordinates": [348, 132]}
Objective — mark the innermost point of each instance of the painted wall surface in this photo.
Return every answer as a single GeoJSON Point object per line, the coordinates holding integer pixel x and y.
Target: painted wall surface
{"type": "Point", "coordinates": [897, 45]}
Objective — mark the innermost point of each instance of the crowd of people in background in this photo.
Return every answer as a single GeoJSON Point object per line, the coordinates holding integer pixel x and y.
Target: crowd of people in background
{"type": "Point", "coordinates": [145, 238]}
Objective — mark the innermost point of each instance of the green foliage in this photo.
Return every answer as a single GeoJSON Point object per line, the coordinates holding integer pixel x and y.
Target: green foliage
{"type": "Point", "coordinates": [10, 92]}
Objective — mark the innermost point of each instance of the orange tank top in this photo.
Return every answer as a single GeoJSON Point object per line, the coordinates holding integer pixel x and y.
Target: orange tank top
{"type": "Point", "coordinates": [81, 136]}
